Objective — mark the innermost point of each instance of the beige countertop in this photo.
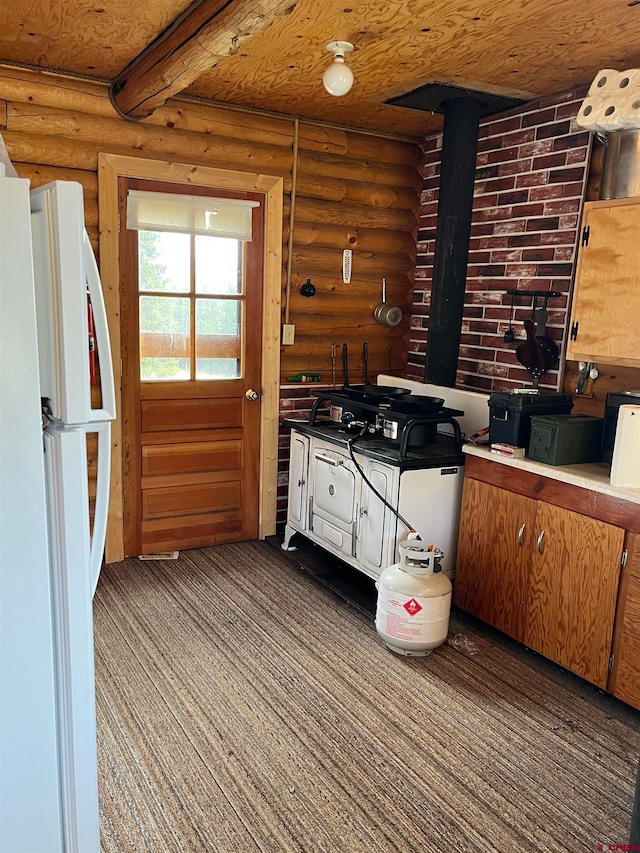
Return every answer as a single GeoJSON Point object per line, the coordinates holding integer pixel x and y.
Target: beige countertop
{"type": "Point", "coordinates": [587, 476]}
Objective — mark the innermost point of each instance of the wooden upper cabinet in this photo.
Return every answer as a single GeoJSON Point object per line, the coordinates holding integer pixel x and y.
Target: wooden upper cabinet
{"type": "Point", "coordinates": [605, 317]}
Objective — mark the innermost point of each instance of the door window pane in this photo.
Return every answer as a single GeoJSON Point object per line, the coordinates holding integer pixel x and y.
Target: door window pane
{"type": "Point", "coordinates": [218, 335]}
{"type": "Point", "coordinates": [218, 265]}
{"type": "Point", "coordinates": [164, 261]}
{"type": "Point", "coordinates": [165, 338]}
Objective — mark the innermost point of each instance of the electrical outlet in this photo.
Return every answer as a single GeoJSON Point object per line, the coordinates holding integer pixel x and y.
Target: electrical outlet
{"type": "Point", "coordinates": [288, 333]}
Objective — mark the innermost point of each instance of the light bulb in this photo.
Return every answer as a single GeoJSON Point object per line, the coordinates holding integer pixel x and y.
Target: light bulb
{"type": "Point", "coordinates": [338, 78]}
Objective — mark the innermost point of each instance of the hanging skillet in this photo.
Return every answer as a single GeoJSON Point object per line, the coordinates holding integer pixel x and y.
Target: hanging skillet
{"type": "Point", "coordinates": [365, 392]}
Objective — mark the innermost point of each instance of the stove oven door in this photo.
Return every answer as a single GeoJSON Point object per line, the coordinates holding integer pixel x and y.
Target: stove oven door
{"type": "Point", "coordinates": [334, 504]}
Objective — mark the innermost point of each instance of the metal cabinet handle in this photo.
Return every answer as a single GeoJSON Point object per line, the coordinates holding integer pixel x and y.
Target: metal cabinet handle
{"type": "Point", "coordinates": [539, 543]}
{"type": "Point", "coordinates": [521, 535]}
{"type": "Point", "coordinates": [328, 460]}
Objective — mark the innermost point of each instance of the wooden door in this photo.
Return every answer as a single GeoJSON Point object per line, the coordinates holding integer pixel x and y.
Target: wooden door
{"type": "Point", "coordinates": [605, 318]}
{"type": "Point", "coordinates": [573, 587]}
{"type": "Point", "coordinates": [494, 552]}
{"type": "Point", "coordinates": [191, 349]}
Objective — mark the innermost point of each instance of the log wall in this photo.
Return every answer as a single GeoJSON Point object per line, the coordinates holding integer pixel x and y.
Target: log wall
{"type": "Point", "coordinates": [353, 191]}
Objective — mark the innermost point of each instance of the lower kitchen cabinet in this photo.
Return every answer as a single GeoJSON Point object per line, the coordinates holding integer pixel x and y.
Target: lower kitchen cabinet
{"type": "Point", "coordinates": [542, 573]}
{"type": "Point", "coordinates": [624, 681]}
{"type": "Point", "coordinates": [493, 562]}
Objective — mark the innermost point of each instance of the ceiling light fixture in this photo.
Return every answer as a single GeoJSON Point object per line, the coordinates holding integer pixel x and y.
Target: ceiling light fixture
{"type": "Point", "coordinates": [338, 78]}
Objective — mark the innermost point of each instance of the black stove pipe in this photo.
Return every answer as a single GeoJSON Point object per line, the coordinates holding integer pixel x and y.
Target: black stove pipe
{"type": "Point", "coordinates": [453, 231]}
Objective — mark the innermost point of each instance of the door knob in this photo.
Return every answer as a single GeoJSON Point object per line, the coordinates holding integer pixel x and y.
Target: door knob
{"type": "Point", "coordinates": [251, 394]}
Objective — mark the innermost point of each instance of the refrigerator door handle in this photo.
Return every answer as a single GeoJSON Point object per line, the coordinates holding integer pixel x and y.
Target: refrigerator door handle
{"type": "Point", "coordinates": [108, 410]}
{"type": "Point", "coordinates": [101, 509]}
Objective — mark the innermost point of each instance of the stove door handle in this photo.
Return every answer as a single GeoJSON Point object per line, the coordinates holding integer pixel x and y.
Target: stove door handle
{"type": "Point", "coordinates": [328, 460]}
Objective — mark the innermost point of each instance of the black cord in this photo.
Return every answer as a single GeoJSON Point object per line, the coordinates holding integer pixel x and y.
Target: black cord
{"type": "Point", "coordinates": [350, 441]}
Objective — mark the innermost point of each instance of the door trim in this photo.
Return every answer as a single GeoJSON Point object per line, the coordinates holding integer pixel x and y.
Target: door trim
{"type": "Point", "coordinates": [111, 167]}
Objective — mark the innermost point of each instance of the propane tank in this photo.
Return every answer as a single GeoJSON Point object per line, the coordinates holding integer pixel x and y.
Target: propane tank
{"type": "Point", "coordinates": [414, 601]}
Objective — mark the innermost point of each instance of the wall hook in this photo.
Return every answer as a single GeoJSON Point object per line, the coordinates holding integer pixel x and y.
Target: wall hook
{"type": "Point", "coordinates": [308, 289]}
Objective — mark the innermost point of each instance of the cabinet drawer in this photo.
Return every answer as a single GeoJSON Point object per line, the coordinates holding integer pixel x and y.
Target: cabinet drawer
{"type": "Point", "coordinates": [627, 670]}
{"type": "Point", "coordinates": [631, 619]}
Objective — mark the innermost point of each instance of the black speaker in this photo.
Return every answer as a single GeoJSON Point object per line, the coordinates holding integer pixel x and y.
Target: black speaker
{"type": "Point", "coordinates": [612, 404]}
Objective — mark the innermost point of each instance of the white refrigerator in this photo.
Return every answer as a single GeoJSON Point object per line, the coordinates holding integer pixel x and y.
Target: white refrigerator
{"type": "Point", "coordinates": [50, 554]}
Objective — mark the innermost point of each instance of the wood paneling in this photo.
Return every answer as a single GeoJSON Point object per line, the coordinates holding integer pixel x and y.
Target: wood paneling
{"type": "Point", "coordinates": [190, 414]}
{"type": "Point", "coordinates": [506, 48]}
{"type": "Point", "coordinates": [204, 456]}
{"type": "Point", "coordinates": [354, 191]}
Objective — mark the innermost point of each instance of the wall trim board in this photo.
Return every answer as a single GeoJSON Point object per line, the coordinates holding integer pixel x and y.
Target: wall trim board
{"type": "Point", "coordinates": [110, 168]}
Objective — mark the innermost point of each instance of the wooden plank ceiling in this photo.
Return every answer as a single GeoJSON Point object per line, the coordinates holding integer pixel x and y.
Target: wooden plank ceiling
{"type": "Point", "coordinates": [276, 56]}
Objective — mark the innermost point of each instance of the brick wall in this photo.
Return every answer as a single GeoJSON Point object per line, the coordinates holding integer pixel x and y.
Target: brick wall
{"type": "Point", "coordinates": [531, 175]}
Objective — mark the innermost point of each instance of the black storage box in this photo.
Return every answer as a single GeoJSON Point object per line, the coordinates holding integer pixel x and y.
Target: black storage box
{"type": "Point", "coordinates": [611, 408]}
{"type": "Point", "coordinates": [510, 414]}
{"type": "Point", "coordinates": [565, 439]}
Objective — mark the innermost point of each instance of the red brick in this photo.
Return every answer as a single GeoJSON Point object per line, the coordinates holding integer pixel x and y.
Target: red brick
{"type": "Point", "coordinates": [563, 253]}
{"type": "Point", "coordinates": [579, 155]}
{"type": "Point", "coordinates": [558, 238]}
{"type": "Point", "coordinates": [511, 226]}
{"type": "Point", "coordinates": [483, 201]}
{"type": "Point", "coordinates": [503, 155]}
{"type": "Point", "coordinates": [568, 221]}
{"type": "Point", "coordinates": [521, 137]}
{"type": "Point", "coordinates": [546, 192]}
{"type": "Point", "coordinates": [563, 176]}
{"type": "Point", "coordinates": [516, 167]}
{"type": "Point", "coordinates": [535, 149]}
{"type": "Point", "coordinates": [513, 197]}
{"type": "Point", "coordinates": [549, 161]}
{"type": "Point", "coordinates": [537, 117]}
{"type": "Point", "coordinates": [574, 140]}
{"type": "Point", "coordinates": [532, 179]}
{"type": "Point", "coordinates": [547, 131]}
{"type": "Point", "coordinates": [566, 205]}
{"type": "Point", "coordinates": [539, 254]}
{"type": "Point", "coordinates": [491, 185]}
{"type": "Point", "coordinates": [495, 242]}
{"type": "Point", "coordinates": [499, 127]}
{"type": "Point", "coordinates": [524, 240]}
{"type": "Point", "coordinates": [527, 210]}
{"type": "Point", "coordinates": [506, 255]}
{"type": "Point", "coordinates": [481, 229]}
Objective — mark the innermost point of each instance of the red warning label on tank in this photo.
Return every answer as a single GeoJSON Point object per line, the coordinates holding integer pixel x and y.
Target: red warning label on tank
{"type": "Point", "coordinates": [412, 607]}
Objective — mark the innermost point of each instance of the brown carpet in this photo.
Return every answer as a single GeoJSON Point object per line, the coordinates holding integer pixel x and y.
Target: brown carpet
{"type": "Point", "coordinates": [243, 706]}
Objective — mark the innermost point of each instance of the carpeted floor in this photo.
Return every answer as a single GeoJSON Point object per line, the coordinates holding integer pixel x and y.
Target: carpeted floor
{"type": "Point", "coordinates": [242, 705]}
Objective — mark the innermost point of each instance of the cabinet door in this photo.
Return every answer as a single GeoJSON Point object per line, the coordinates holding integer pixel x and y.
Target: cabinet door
{"type": "Point", "coordinates": [494, 552]}
{"type": "Point", "coordinates": [573, 585]}
{"type": "Point", "coordinates": [624, 680]}
{"type": "Point", "coordinates": [374, 531]}
{"type": "Point", "coordinates": [298, 476]}
{"type": "Point", "coordinates": [606, 300]}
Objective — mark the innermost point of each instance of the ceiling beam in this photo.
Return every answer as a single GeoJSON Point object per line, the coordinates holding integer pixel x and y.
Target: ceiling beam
{"type": "Point", "coordinates": [193, 44]}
